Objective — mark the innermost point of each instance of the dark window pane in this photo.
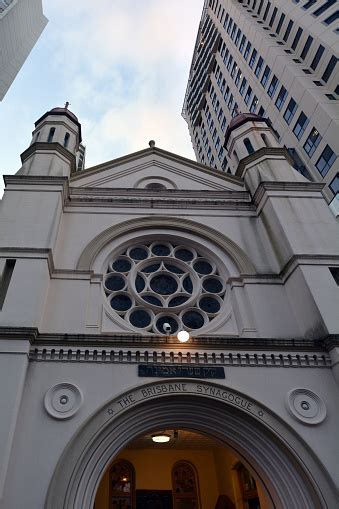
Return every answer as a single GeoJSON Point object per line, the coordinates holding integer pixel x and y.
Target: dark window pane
{"type": "Point", "coordinates": [140, 318]}
{"type": "Point", "coordinates": [138, 253]}
{"type": "Point", "coordinates": [121, 302]}
{"type": "Point", "coordinates": [188, 285]}
{"type": "Point", "coordinates": [177, 301]}
{"type": "Point", "coordinates": [121, 265]}
{"type": "Point", "coordinates": [161, 250]}
{"type": "Point", "coordinates": [203, 267]}
{"type": "Point", "coordinates": [164, 284]}
{"type": "Point", "coordinates": [212, 285]}
{"type": "Point", "coordinates": [139, 284]}
{"type": "Point", "coordinates": [151, 299]}
{"type": "Point", "coordinates": [184, 255]}
{"type": "Point", "coordinates": [115, 283]}
{"type": "Point", "coordinates": [193, 320]}
{"type": "Point", "coordinates": [209, 305]}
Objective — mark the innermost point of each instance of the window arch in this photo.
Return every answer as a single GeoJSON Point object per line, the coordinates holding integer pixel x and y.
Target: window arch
{"type": "Point", "coordinates": [122, 485]}
{"type": "Point", "coordinates": [51, 135]}
{"type": "Point", "coordinates": [66, 140]}
{"type": "Point", "coordinates": [249, 146]}
{"type": "Point", "coordinates": [265, 140]}
{"type": "Point", "coordinates": [185, 486]}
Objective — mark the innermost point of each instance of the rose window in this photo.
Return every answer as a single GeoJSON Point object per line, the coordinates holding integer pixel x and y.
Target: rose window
{"type": "Point", "coordinates": [151, 284]}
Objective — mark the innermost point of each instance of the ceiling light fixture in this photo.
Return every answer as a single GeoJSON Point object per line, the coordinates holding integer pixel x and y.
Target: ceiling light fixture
{"type": "Point", "coordinates": [161, 438]}
{"type": "Point", "coordinates": [183, 336]}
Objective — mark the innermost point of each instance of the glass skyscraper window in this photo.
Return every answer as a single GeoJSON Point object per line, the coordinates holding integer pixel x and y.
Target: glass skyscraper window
{"type": "Point", "coordinates": [326, 160]}
{"type": "Point", "coordinates": [300, 125]}
{"type": "Point", "coordinates": [273, 86]}
{"type": "Point", "coordinates": [248, 95]}
{"type": "Point", "coordinates": [329, 69]}
{"type": "Point", "coordinates": [317, 57]}
{"type": "Point", "coordinates": [297, 38]}
{"type": "Point", "coordinates": [259, 67]}
{"type": "Point", "coordinates": [312, 142]}
{"type": "Point", "coordinates": [253, 58]}
{"type": "Point", "coordinates": [247, 50]}
{"type": "Point", "coordinates": [281, 98]}
{"type": "Point", "coordinates": [242, 43]}
{"type": "Point", "coordinates": [265, 76]}
{"type": "Point", "coordinates": [243, 86]}
{"type": "Point", "coordinates": [306, 47]}
{"type": "Point", "coordinates": [334, 185]}
{"type": "Point", "coordinates": [290, 111]}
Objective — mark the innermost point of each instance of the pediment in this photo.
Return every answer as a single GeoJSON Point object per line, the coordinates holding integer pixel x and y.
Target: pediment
{"type": "Point", "coordinates": [155, 167]}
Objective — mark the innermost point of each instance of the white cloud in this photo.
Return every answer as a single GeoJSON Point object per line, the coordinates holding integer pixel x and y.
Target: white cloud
{"type": "Point", "coordinates": [122, 64]}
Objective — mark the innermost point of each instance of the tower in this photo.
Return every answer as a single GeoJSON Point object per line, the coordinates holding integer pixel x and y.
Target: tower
{"type": "Point", "coordinates": [21, 24]}
{"type": "Point", "coordinates": [276, 59]}
{"type": "Point", "coordinates": [55, 143]}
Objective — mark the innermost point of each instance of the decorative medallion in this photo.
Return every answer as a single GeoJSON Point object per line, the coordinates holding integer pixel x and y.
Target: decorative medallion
{"type": "Point", "coordinates": [306, 406]}
{"type": "Point", "coordinates": [148, 285]}
{"type": "Point", "coordinates": [63, 400]}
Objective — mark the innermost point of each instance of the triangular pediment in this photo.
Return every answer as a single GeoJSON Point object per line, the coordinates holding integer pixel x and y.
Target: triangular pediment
{"type": "Point", "coordinates": [155, 166]}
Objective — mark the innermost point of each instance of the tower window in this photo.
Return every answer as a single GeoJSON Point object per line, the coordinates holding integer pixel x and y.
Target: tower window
{"type": "Point", "coordinates": [51, 135]}
{"type": "Point", "coordinates": [331, 18]}
{"type": "Point", "coordinates": [265, 76]}
{"type": "Point", "coordinates": [324, 7]}
{"type": "Point", "coordinates": [249, 146]}
{"type": "Point", "coordinates": [281, 20]}
{"type": "Point", "coordinates": [66, 140]}
{"type": "Point", "coordinates": [5, 280]}
{"type": "Point", "coordinates": [265, 140]}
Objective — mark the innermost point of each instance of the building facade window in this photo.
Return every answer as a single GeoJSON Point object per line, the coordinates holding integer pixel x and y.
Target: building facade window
{"type": "Point", "coordinates": [265, 76]}
{"type": "Point", "coordinates": [273, 86]}
{"type": "Point", "coordinates": [281, 98]}
{"type": "Point", "coordinates": [326, 160]}
{"type": "Point", "coordinates": [329, 69]}
{"type": "Point", "coordinates": [300, 125]}
{"type": "Point", "coordinates": [248, 95]}
{"type": "Point", "coordinates": [312, 142]}
{"type": "Point", "coordinates": [334, 185]}
{"type": "Point", "coordinates": [259, 67]}
{"type": "Point", "coordinates": [66, 140]}
{"type": "Point", "coordinates": [253, 58]}
{"type": "Point", "coordinates": [248, 145]}
{"type": "Point", "coordinates": [290, 111]}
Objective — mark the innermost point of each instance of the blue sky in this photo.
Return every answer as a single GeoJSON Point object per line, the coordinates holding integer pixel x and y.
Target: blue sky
{"type": "Point", "coordinates": [122, 64]}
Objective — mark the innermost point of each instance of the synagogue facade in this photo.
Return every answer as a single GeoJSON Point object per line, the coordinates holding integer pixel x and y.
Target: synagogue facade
{"type": "Point", "coordinates": [102, 406]}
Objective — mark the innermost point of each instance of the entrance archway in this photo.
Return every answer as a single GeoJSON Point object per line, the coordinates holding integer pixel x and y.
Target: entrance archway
{"type": "Point", "coordinates": [285, 465]}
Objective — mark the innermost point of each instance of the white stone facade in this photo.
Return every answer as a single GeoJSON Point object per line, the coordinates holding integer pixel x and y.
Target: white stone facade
{"type": "Point", "coordinates": [71, 397]}
{"type": "Point", "coordinates": [21, 24]}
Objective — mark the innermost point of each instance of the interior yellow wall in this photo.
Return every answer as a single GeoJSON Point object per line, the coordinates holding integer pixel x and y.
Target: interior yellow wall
{"type": "Point", "coordinates": [224, 461]}
{"type": "Point", "coordinates": [154, 472]}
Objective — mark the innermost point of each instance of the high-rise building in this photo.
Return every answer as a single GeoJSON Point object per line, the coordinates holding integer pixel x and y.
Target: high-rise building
{"type": "Point", "coordinates": [276, 58]}
{"type": "Point", "coordinates": [21, 24]}
{"type": "Point", "coordinates": [101, 403]}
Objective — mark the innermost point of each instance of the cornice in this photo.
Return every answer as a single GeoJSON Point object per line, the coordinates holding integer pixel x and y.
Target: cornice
{"type": "Point", "coordinates": [281, 152]}
{"type": "Point", "coordinates": [36, 180]}
{"type": "Point", "coordinates": [48, 147]}
{"type": "Point", "coordinates": [289, 187]}
{"type": "Point", "coordinates": [156, 152]}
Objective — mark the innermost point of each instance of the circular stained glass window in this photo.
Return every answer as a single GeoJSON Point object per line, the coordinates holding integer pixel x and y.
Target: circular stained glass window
{"type": "Point", "coordinates": [155, 283]}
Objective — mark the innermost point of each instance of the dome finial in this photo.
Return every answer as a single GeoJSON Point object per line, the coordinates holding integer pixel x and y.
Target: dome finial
{"type": "Point", "coordinates": [66, 105]}
{"type": "Point", "coordinates": [151, 143]}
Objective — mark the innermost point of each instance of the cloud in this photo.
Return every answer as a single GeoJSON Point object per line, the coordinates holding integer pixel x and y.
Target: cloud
{"type": "Point", "coordinates": [127, 65]}
{"type": "Point", "coordinates": [122, 64]}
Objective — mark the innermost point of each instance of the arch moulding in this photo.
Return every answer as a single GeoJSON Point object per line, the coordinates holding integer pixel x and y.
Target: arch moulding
{"type": "Point", "coordinates": [238, 256]}
{"type": "Point", "coordinates": [285, 466]}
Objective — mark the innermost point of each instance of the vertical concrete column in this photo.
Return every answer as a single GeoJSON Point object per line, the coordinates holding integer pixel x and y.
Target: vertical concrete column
{"type": "Point", "coordinates": [13, 368]}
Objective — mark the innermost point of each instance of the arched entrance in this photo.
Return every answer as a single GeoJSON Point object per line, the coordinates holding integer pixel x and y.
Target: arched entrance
{"type": "Point", "coordinates": [288, 470]}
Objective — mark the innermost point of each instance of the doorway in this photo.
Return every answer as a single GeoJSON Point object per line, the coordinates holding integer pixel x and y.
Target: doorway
{"type": "Point", "coordinates": [180, 469]}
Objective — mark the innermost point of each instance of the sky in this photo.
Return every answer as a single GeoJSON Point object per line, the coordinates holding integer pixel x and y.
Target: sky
{"type": "Point", "coordinates": [123, 66]}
